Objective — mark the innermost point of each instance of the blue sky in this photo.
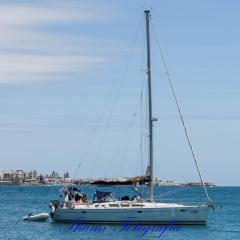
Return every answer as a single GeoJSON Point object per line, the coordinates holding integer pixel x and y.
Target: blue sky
{"type": "Point", "coordinates": [61, 64]}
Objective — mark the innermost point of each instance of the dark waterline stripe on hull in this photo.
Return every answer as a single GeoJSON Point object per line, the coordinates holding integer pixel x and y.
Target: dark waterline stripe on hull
{"type": "Point", "coordinates": [137, 222]}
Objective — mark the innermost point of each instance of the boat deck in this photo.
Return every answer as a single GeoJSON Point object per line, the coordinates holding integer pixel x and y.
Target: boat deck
{"type": "Point", "coordinates": [128, 204]}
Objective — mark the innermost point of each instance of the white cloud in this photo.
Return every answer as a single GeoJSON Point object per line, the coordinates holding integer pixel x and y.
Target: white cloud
{"type": "Point", "coordinates": [29, 54]}
{"type": "Point", "coordinates": [19, 67]}
{"type": "Point", "coordinates": [12, 16]}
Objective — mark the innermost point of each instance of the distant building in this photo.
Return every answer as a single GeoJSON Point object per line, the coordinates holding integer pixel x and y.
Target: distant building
{"type": "Point", "coordinates": [41, 178]}
{"type": "Point", "coordinates": [66, 175]}
{"type": "Point", "coordinates": [20, 175]}
{"type": "Point", "coordinates": [32, 175]}
{"type": "Point", "coordinates": [35, 174]}
{"type": "Point", "coordinates": [55, 175]}
{"type": "Point", "coordinates": [8, 175]}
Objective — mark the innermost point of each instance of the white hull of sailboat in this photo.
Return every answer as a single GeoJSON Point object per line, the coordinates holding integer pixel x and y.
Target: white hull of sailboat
{"type": "Point", "coordinates": [150, 213]}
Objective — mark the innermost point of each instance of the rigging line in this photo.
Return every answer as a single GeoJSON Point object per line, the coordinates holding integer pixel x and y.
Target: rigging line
{"type": "Point", "coordinates": [141, 140]}
{"type": "Point", "coordinates": [76, 172]}
{"type": "Point", "coordinates": [127, 143]}
{"type": "Point", "coordinates": [144, 127]}
{"type": "Point", "coordinates": [122, 139]}
{"type": "Point", "coordinates": [129, 135]}
{"type": "Point", "coordinates": [130, 126]}
{"type": "Point", "coordinates": [143, 76]}
{"type": "Point", "coordinates": [180, 115]}
{"type": "Point", "coordinates": [100, 114]}
{"type": "Point", "coordinates": [116, 97]}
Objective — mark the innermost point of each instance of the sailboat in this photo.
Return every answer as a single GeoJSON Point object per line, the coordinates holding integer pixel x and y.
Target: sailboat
{"type": "Point", "coordinates": [104, 208]}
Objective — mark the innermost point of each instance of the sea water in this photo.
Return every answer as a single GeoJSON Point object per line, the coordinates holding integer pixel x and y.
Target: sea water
{"type": "Point", "coordinates": [17, 201]}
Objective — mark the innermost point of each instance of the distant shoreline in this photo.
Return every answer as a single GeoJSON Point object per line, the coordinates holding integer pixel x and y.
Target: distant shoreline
{"type": "Point", "coordinates": [164, 184]}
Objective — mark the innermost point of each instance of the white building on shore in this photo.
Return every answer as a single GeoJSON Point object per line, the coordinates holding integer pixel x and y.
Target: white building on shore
{"type": "Point", "coordinates": [18, 175]}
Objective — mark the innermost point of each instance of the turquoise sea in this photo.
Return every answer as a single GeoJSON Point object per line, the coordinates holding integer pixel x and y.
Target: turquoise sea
{"type": "Point", "coordinates": [17, 201]}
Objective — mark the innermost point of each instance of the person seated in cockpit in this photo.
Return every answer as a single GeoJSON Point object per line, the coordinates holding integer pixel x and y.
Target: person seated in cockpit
{"type": "Point", "coordinates": [78, 197]}
{"type": "Point", "coordinates": [84, 199]}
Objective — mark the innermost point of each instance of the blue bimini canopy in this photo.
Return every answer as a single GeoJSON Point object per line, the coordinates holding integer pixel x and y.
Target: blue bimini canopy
{"type": "Point", "coordinates": [103, 197]}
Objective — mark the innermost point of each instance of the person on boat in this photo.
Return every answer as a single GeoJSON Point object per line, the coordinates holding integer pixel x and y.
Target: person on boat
{"type": "Point", "coordinates": [66, 199]}
{"type": "Point", "coordinates": [70, 194]}
{"type": "Point", "coordinates": [84, 198]}
{"type": "Point", "coordinates": [78, 197]}
{"type": "Point", "coordinates": [125, 198]}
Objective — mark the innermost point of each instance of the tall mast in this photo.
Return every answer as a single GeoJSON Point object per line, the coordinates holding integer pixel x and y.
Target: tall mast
{"type": "Point", "coordinates": [150, 184]}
